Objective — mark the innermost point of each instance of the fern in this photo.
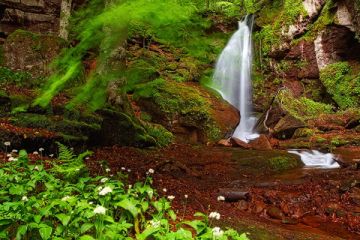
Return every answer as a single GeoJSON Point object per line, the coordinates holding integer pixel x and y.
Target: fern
{"type": "Point", "coordinates": [69, 166]}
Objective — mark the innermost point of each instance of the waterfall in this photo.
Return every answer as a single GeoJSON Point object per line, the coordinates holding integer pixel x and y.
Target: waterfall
{"type": "Point", "coordinates": [232, 77]}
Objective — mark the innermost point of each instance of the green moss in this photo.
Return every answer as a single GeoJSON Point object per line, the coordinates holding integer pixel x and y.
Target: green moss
{"type": "Point", "coordinates": [162, 136]}
{"type": "Point", "coordinates": [21, 34]}
{"type": "Point", "coordinates": [304, 132]}
{"type": "Point", "coordinates": [15, 77]}
{"type": "Point", "coordinates": [283, 163]}
{"type": "Point", "coordinates": [302, 108]}
{"type": "Point", "coordinates": [177, 101]}
{"type": "Point", "coordinates": [342, 84]}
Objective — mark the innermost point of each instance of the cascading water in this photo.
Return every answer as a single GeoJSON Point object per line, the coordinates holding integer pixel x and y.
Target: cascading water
{"type": "Point", "coordinates": [316, 159]}
{"type": "Point", "coordinates": [232, 78]}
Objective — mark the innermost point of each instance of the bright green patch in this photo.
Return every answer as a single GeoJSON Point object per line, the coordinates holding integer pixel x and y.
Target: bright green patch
{"type": "Point", "coordinates": [342, 84]}
{"type": "Point", "coordinates": [302, 108]}
{"type": "Point", "coordinates": [283, 163]}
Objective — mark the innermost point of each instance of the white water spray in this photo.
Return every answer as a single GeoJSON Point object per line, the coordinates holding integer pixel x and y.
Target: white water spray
{"type": "Point", "coordinates": [232, 78]}
{"type": "Point", "coordinates": [316, 159]}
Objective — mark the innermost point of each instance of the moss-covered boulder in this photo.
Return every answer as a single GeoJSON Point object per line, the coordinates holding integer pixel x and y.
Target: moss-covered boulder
{"type": "Point", "coordinates": [342, 82]}
{"type": "Point", "coordinates": [31, 52]}
{"type": "Point", "coordinates": [286, 114]}
{"type": "Point", "coordinates": [189, 111]}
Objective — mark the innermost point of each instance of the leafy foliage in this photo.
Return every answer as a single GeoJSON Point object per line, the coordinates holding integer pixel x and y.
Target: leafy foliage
{"type": "Point", "coordinates": [37, 204]}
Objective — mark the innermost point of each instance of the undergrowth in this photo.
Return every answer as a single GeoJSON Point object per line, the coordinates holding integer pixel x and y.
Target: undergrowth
{"type": "Point", "coordinates": [64, 202]}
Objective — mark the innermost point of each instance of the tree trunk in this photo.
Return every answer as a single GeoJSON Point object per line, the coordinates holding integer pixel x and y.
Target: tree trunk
{"type": "Point", "coordinates": [64, 18]}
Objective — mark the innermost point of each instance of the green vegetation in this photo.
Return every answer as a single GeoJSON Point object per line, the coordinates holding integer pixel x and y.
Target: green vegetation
{"type": "Point", "coordinates": [302, 108]}
{"type": "Point", "coordinates": [342, 83]}
{"type": "Point", "coordinates": [63, 202]}
{"type": "Point", "coordinates": [14, 77]}
{"type": "Point", "coordinates": [283, 163]}
{"type": "Point", "coordinates": [177, 101]}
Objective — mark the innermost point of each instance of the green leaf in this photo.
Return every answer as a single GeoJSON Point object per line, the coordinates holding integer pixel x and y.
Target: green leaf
{"type": "Point", "coordinates": [172, 215]}
{"type": "Point", "coordinates": [147, 233]}
{"type": "Point", "coordinates": [63, 218]}
{"type": "Point", "coordinates": [21, 231]}
{"type": "Point", "coordinates": [45, 231]}
{"type": "Point", "coordinates": [5, 221]}
{"type": "Point", "coordinates": [86, 227]}
{"type": "Point", "coordinates": [86, 237]}
{"type": "Point", "coordinates": [37, 218]}
{"type": "Point", "coordinates": [16, 190]}
{"type": "Point", "coordinates": [130, 206]}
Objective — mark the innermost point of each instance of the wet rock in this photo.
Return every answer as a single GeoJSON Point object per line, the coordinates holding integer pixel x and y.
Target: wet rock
{"type": "Point", "coordinates": [239, 143]}
{"type": "Point", "coordinates": [242, 205]}
{"type": "Point", "coordinates": [233, 195]}
{"type": "Point", "coordinates": [259, 206]}
{"type": "Point", "coordinates": [354, 196]}
{"type": "Point", "coordinates": [225, 143]}
{"type": "Point", "coordinates": [275, 213]}
{"type": "Point", "coordinates": [312, 221]}
{"type": "Point", "coordinates": [261, 143]}
{"type": "Point", "coordinates": [286, 127]}
{"type": "Point", "coordinates": [290, 221]}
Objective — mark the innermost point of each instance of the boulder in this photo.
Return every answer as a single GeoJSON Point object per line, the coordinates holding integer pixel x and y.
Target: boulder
{"type": "Point", "coordinates": [26, 51]}
{"type": "Point", "coordinates": [260, 143]}
{"type": "Point", "coordinates": [190, 112]}
{"type": "Point", "coordinates": [239, 143]}
{"type": "Point", "coordinates": [286, 127]}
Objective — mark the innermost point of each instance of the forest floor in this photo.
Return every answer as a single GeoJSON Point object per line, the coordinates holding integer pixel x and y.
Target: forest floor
{"type": "Point", "coordinates": [296, 204]}
{"type": "Point", "coordinates": [293, 204]}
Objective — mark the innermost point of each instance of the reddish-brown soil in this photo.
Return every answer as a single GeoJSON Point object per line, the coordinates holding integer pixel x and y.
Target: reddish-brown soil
{"type": "Point", "coordinates": [296, 205]}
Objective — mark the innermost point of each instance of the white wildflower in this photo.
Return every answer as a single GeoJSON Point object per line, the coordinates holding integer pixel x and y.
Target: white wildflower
{"type": "Point", "coordinates": [99, 210]}
{"type": "Point", "coordinates": [129, 170]}
{"type": "Point", "coordinates": [14, 151]}
{"type": "Point", "coordinates": [12, 159]}
{"type": "Point", "coordinates": [130, 186]}
{"type": "Point", "coordinates": [51, 155]}
{"type": "Point", "coordinates": [107, 170]}
{"type": "Point", "coordinates": [7, 143]}
{"type": "Point", "coordinates": [151, 171]}
{"type": "Point", "coordinates": [8, 155]}
{"type": "Point", "coordinates": [155, 224]}
{"type": "Point", "coordinates": [24, 198]}
{"type": "Point", "coordinates": [87, 158]}
{"type": "Point", "coordinates": [36, 168]}
{"type": "Point", "coordinates": [99, 188]}
{"type": "Point", "coordinates": [35, 153]}
{"type": "Point", "coordinates": [221, 198]}
{"type": "Point", "coordinates": [164, 190]}
{"type": "Point", "coordinates": [64, 199]}
{"type": "Point", "coordinates": [215, 215]}
{"type": "Point", "coordinates": [41, 149]}
{"type": "Point", "coordinates": [78, 169]}
{"type": "Point", "coordinates": [186, 196]}
{"type": "Point", "coordinates": [171, 197]}
{"type": "Point", "coordinates": [104, 180]}
{"type": "Point", "coordinates": [105, 191]}
{"type": "Point", "coordinates": [91, 203]}
{"type": "Point", "coordinates": [123, 169]}
{"type": "Point", "coordinates": [217, 232]}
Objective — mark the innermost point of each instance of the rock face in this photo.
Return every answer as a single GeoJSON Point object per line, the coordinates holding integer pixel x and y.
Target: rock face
{"type": "Point", "coordinates": [31, 52]}
{"type": "Point", "coordinates": [41, 16]}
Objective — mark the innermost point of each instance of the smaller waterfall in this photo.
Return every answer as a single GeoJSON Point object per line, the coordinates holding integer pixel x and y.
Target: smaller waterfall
{"type": "Point", "coordinates": [316, 159]}
{"type": "Point", "coordinates": [232, 78]}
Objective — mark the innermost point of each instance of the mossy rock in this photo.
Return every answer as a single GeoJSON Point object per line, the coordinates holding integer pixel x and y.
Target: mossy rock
{"type": "Point", "coordinates": [27, 51]}
{"type": "Point", "coordinates": [282, 163]}
{"type": "Point", "coordinates": [123, 129]}
{"type": "Point", "coordinates": [304, 132]}
{"type": "Point", "coordinates": [342, 83]}
{"type": "Point", "coordinates": [185, 110]}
